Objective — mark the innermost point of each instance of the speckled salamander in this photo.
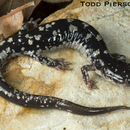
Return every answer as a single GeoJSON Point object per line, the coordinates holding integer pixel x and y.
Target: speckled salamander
{"type": "Point", "coordinates": [65, 33]}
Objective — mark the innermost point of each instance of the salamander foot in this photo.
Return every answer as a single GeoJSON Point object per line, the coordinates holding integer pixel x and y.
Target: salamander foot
{"type": "Point", "coordinates": [60, 64]}
{"type": "Point", "coordinates": [89, 83]}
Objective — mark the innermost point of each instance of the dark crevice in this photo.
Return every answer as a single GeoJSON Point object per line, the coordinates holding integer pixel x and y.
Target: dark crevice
{"type": "Point", "coordinates": [44, 9]}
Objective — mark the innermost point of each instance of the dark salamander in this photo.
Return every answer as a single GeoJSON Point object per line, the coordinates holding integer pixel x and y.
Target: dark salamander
{"type": "Point", "coordinates": [65, 33]}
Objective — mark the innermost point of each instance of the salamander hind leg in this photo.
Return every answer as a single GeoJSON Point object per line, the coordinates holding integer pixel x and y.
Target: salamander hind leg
{"type": "Point", "coordinates": [89, 83]}
{"type": "Point", "coordinates": [59, 64]}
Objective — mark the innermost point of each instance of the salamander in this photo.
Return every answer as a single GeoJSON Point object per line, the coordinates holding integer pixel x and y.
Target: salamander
{"type": "Point", "coordinates": [63, 33]}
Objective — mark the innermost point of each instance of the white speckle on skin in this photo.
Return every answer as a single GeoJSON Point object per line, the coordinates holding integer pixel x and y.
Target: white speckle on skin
{"type": "Point", "coordinates": [41, 28]}
{"type": "Point", "coordinates": [37, 37]}
{"type": "Point", "coordinates": [23, 97]}
{"type": "Point", "coordinates": [38, 52]}
{"type": "Point", "coordinates": [105, 52]}
{"type": "Point", "coordinates": [30, 42]}
{"type": "Point", "coordinates": [10, 39]}
{"type": "Point", "coordinates": [36, 98]}
{"type": "Point", "coordinates": [73, 28]}
{"type": "Point", "coordinates": [27, 36]}
{"type": "Point", "coordinates": [7, 49]}
{"type": "Point", "coordinates": [46, 47]}
{"type": "Point", "coordinates": [19, 34]}
{"type": "Point", "coordinates": [95, 53]}
{"type": "Point", "coordinates": [18, 97]}
{"type": "Point", "coordinates": [30, 53]}
{"type": "Point", "coordinates": [1, 43]}
{"type": "Point", "coordinates": [116, 70]}
{"type": "Point", "coordinates": [48, 26]}
{"type": "Point", "coordinates": [54, 39]}
{"type": "Point", "coordinates": [58, 30]}
{"type": "Point", "coordinates": [45, 100]}
{"type": "Point", "coordinates": [37, 46]}
{"type": "Point", "coordinates": [70, 20]}
{"type": "Point", "coordinates": [52, 23]}
{"type": "Point", "coordinates": [61, 38]}
{"type": "Point", "coordinates": [31, 97]}
{"type": "Point", "coordinates": [89, 35]}
{"type": "Point", "coordinates": [23, 48]}
{"type": "Point", "coordinates": [54, 33]}
{"type": "Point", "coordinates": [9, 94]}
{"type": "Point", "coordinates": [3, 54]}
{"type": "Point", "coordinates": [101, 62]}
{"type": "Point", "coordinates": [22, 28]}
{"type": "Point", "coordinates": [19, 40]}
{"type": "Point", "coordinates": [85, 25]}
{"type": "Point", "coordinates": [98, 37]}
{"type": "Point", "coordinates": [26, 101]}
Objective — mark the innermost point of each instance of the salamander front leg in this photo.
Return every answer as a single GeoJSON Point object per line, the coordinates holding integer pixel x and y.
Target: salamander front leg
{"type": "Point", "coordinates": [88, 82]}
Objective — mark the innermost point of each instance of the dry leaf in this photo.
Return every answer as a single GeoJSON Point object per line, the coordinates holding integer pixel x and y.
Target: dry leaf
{"type": "Point", "coordinates": [11, 25]}
{"type": "Point", "coordinates": [12, 22]}
{"type": "Point", "coordinates": [2, 2]}
{"type": "Point", "coordinates": [27, 12]}
{"type": "Point", "coordinates": [44, 9]}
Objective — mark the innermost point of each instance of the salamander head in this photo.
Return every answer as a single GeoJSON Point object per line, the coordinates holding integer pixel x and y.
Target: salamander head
{"type": "Point", "coordinates": [114, 69]}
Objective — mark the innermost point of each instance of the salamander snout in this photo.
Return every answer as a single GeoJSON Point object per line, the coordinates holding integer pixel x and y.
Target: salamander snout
{"type": "Point", "coordinates": [128, 81]}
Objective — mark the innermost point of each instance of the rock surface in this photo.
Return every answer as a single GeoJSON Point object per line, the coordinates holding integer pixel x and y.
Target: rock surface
{"type": "Point", "coordinates": [113, 23]}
